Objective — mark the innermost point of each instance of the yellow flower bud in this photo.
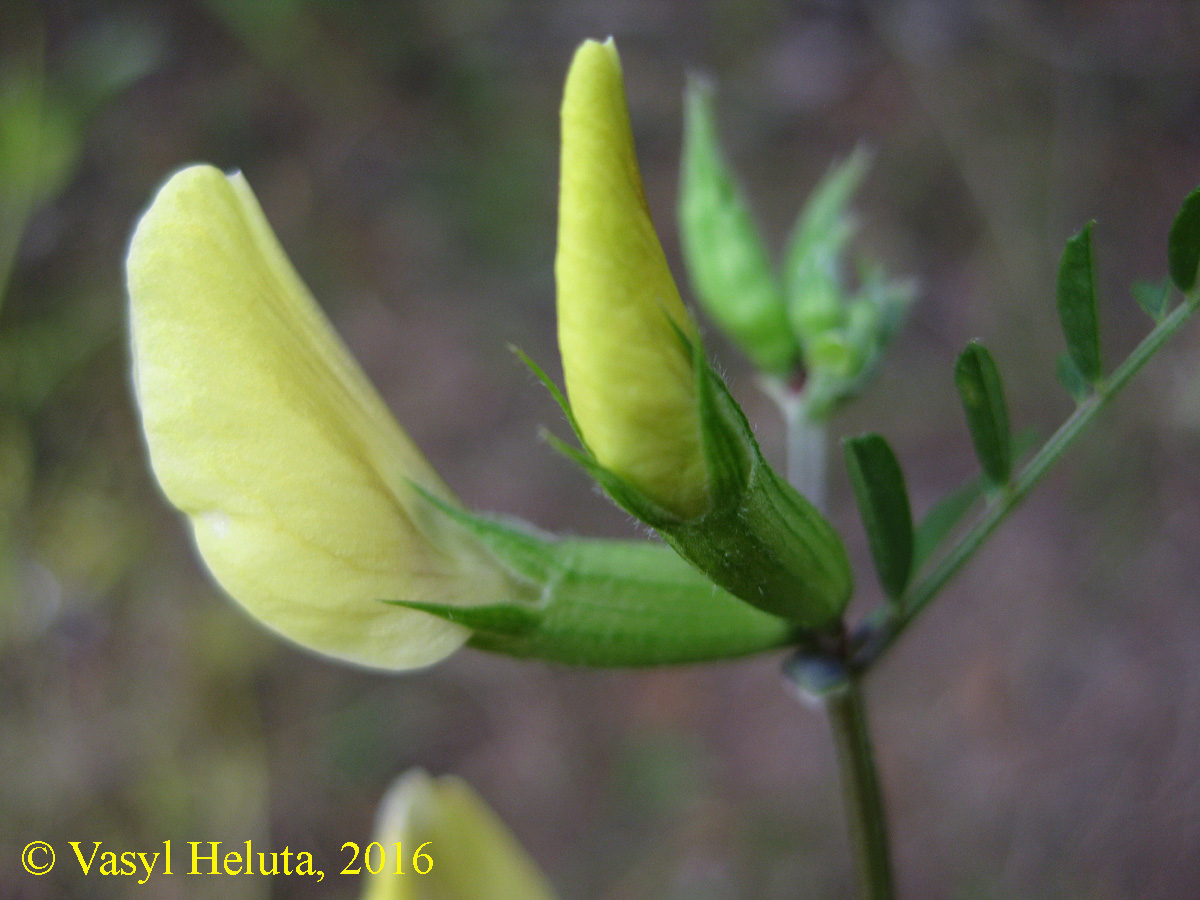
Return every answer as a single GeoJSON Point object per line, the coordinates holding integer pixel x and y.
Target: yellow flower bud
{"type": "Point", "coordinates": [298, 483]}
{"type": "Point", "coordinates": [442, 828]}
{"type": "Point", "coordinates": [630, 379]}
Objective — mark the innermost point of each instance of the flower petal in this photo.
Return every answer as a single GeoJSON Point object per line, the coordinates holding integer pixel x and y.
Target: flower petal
{"type": "Point", "coordinates": [262, 429]}
{"type": "Point", "coordinates": [474, 856]}
{"type": "Point", "coordinates": [630, 378]}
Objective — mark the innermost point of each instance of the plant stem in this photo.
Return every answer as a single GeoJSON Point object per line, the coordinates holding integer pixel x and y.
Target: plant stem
{"type": "Point", "coordinates": [807, 442]}
{"type": "Point", "coordinates": [841, 697]}
{"type": "Point", "coordinates": [890, 622]}
{"type": "Point", "coordinates": [860, 790]}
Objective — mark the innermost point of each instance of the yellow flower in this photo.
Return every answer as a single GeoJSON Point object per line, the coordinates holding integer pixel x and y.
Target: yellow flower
{"type": "Point", "coordinates": [629, 376]}
{"type": "Point", "coordinates": [298, 483]}
{"type": "Point", "coordinates": [467, 852]}
{"type": "Point", "coordinates": [660, 431]}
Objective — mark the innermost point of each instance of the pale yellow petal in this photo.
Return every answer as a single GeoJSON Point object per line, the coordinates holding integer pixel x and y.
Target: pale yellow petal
{"type": "Point", "coordinates": [474, 856]}
{"type": "Point", "coordinates": [265, 432]}
{"type": "Point", "coordinates": [629, 378]}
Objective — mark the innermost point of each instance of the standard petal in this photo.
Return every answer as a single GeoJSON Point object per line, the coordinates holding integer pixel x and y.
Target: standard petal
{"type": "Point", "coordinates": [630, 378]}
{"type": "Point", "coordinates": [262, 429]}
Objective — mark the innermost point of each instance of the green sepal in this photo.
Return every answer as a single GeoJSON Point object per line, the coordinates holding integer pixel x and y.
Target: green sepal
{"type": "Point", "coordinates": [982, 393]}
{"type": "Point", "coordinates": [727, 261]}
{"type": "Point", "coordinates": [553, 389]}
{"type": "Point", "coordinates": [772, 549]}
{"type": "Point", "coordinates": [760, 539]}
{"type": "Point", "coordinates": [521, 546]}
{"type": "Point", "coordinates": [625, 495]}
{"type": "Point", "coordinates": [496, 618]}
{"type": "Point", "coordinates": [630, 603]}
{"type": "Point", "coordinates": [878, 484]}
{"type": "Point", "coordinates": [1183, 243]}
{"type": "Point", "coordinates": [1154, 297]}
{"type": "Point", "coordinates": [1077, 304]}
{"type": "Point", "coordinates": [605, 603]}
{"type": "Point", "coordinates": [728, 455]}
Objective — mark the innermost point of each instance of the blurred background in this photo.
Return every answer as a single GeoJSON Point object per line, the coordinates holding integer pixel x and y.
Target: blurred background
{"type": "Point", "coordinates": [1038, 732]}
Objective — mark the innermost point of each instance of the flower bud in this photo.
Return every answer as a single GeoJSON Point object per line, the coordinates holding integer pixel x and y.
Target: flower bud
{"type": "Point", "coordinates": [661, 433]}
{"type": "Point", "coordinates": [304, 495]}
{"type": "Point", "coordinates": [622, 327]}
{"type": "Point", "coordinates": [727, 261]}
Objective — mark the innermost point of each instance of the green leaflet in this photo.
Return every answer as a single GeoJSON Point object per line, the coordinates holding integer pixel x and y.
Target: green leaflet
{"type": "Point", "coordinates": [944, 516]}
{"type": "Point", "coordinates": [941, 519]}
{"type": "Point", "coordinates": [883, 505]}
{"type": "Point", "coordinates": [982, 394]}
{"type": "Point", "coordinates": [607, 603]}
{"type": "Point", "coordinates": [1183, 243]}
{"type": "Point", "coordinates": [726, 259]}
{"type": "Point", "coordinates": [1071, 378]}
{"type": "Point", "coordinates": [1077, 305]}
{"type": "Point", "coordinates": [824, 225]}
{"type": "Point", "coordinates": [1154, 297]}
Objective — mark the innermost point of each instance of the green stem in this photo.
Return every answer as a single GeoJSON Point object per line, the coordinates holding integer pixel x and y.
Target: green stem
{"type": "Point", "coordinates": [807, 442]}
{"type": "Point", "coordinates": [860, 790]}
{"type": "Point", "coordinates": [807, 450]}
{"type": "Point", "coordinates": [841, 695]}
{"type": "Point", "coordinates": [890, 622]}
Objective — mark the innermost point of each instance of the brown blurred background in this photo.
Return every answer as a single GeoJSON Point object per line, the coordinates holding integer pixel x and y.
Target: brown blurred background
{"type": "Point", "coordinates": [1038, 731]}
